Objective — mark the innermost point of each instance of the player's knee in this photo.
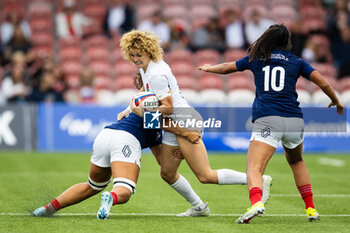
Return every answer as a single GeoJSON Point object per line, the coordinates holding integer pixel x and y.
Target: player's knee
{"type": "Point", "coordinates": [205, 178]}
{"type": "Point", "coordinates": [126, 188]}
{"type": "Point", "coordinates": [168, 177]}
{"type": "Point", "coordinates": [97, 186]}
{"type": "Point", "coordinates": [295, 161]}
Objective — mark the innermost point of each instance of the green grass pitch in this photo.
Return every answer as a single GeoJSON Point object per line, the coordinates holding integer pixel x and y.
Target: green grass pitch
{"type": "Point", "coordinates": [29, 180]}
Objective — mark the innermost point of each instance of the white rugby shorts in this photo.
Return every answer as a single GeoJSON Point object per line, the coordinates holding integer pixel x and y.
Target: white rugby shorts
{"type": "Point", "coordinates": [273, 129]}
{"type": "Point", "coordinates": [115, 145]}
{"type": "Point", "coordinates": [181, 114]}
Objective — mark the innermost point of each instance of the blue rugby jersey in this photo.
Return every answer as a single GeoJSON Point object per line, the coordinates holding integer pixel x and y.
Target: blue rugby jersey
{"type": "Point", "coordinates": [134, 125]}
{"type": "Point", "coordinates": [275, 83]}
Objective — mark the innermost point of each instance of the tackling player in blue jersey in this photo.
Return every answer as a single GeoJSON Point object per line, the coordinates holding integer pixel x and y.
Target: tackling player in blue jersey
{"type": "Point", "coordinates": [117, 152]}
{"type": "Point", "coordinates": [276, 112]}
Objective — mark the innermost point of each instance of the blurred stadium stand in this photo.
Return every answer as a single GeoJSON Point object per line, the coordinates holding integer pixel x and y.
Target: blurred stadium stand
{"type": "Point", "coordinates": [308, 21]}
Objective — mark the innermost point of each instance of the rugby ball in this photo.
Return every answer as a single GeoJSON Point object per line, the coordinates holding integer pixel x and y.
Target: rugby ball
{"type": "Point", "coordinates": [147, 100]}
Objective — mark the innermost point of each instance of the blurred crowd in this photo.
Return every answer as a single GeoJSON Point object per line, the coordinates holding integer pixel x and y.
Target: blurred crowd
{"type": "Point", "coordinates": [68, 50]}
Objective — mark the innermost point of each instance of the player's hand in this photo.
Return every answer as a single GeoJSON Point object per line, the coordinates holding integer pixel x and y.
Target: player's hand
{"type": "Point", "coordinates": [204, 67]}
{"type": "Point", "coordinates": [192, 136]}
{"type": "Point", "coordinates": [123, 114]}
{"type": "Point", "coordinates": [138, 110]}
{"type": "Point", "coordinates": [340, 107]}
{"type": "Point", "coordinates": [177, 154]}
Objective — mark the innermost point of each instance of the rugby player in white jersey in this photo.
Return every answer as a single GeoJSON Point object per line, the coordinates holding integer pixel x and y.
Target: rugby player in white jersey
{"type": "Point", "coordinates": [117, 152]}
{"type": "Point", "coordinates": [143, 50]}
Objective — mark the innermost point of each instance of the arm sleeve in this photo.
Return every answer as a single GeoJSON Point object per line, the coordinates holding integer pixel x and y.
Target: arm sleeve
{"type": "Point", "coordinates": [305, 69]}
{"type": "Point", "coordinates": [160, 86]}
{"type": "Point", "coordinates": [243, 64]}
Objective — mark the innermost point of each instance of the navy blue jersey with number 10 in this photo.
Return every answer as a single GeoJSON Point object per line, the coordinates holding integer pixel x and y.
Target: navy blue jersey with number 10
{"type": "Point", "coordinates": [275, 82]}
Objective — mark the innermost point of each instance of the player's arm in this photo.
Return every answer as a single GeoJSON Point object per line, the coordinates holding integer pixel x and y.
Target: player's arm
{"type": "Point", "coordinates": [191, 135]}
{"type": "Point", "coordinates": [166, 105]}
{"type": "Point", "coordinates": [223, 68]}
{"type": "Point", "coordinates": [167, 125]}
{"type": "Point", "coordinates": [326, 87]}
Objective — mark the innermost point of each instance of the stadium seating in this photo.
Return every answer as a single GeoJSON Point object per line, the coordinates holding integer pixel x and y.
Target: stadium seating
{"type": "Point", "coordinates": [191, 96]}
{"type": "Point", "coordinates": [234, 54]}
{"type": "Point", "coordinates": [124, 96]}
{"type": "Point", "coordinates": [202, 12]}
{"type": "Point", "coordinates": [97, 54]}
{"type": "Point", "coordinates": [72, 80]}
{"type": "Point", "coordinates": [175, 11]}
{"type": "Point", "coordinates": [240, 97]}
{"type": "Point", "coordinates": [40, 25]}
{"type": "Point", "coordinates": [180, 55]}
{"type": "Point", "coordinates": [102, 82]}
{"type": "Point", "coordinates": [70, 54]}
{"type": "Point", "coordinates": [40, 9]}
{"type": "Point", "coordinates": [239, 81]}
{"type": "Point", "coordinates": [212, 96]}
{"type": "Point", "coordinates": [186, 82]}
{"type": "Point", "coordinates": [95, 41]}
{"type": "Point", "coordinates": [71, 67]}
{"type": "Point", "coordinates": [105, 98]}
{"type": "Point", "coordinates": [123, 82]}
{"type": "Point", "coordinates": [114, 73]}
{"type": "Point", "coordinates": [124, 68]}
{"type": "Point", "coordinates": [100, 67]}
{"type": "Point", "coordinates": [304, 97]}
{"type": "Point", "coordinates": [71, 42]}
{"type": "Point", "coordinates": [182, 68]}
{"type": "Point", "coordinates": [211, 81]}
{"type": "Point", "coordinates": [206, 56]}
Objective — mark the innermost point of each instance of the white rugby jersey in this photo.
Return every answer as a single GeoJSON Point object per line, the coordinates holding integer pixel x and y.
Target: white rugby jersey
{"type": "Point", "coordinates": [160, 80]}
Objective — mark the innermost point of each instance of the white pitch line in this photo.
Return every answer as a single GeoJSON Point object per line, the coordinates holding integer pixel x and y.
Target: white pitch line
{"type": "Point", "coordinates": [165, 214]}
{"type": "Point", "coordinates": [331, 162]}
{"type": "Point", "coordinates": [315, 195]}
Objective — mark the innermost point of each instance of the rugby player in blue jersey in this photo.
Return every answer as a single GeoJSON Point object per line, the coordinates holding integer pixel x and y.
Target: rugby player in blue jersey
{"type": "Point", "coordinates": [276, 112]}
{"type": "Point", "coordinates": [117, 152]}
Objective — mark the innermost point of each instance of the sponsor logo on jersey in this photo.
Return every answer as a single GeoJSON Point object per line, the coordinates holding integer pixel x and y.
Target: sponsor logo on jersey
{"type": "Point", "coordinates": [151, 120]}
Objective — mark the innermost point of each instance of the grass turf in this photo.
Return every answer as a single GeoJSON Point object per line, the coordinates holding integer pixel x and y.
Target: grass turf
{"type": "Point", "coordinates": [29, 180]}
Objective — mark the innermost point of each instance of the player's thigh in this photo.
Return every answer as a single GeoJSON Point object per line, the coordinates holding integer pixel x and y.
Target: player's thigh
{"type": "Point", "coordinates": [294, 155]}
{"type": "Point", "coordinates": [99, 174]}
{"type": "Point", "coordinates": [195, 155]}
{"type": "Point", "coordinates": [125, 170]}
{"type": "Point", "coordinates": [294, 134]}
{"type": "Point", "coordinates": [168, 162]}
{"type": "Point", "coordinates": [259, 154]}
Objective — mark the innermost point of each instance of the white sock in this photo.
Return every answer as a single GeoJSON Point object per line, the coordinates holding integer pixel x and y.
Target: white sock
{"type": "Point", "coordinates": [228, 176]}
{"type": "Point", "coordinates": [184, 188]}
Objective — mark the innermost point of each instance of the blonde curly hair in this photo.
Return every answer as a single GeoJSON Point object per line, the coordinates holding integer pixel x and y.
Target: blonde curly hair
{"type": "Point", "coordinates": [144, 41]}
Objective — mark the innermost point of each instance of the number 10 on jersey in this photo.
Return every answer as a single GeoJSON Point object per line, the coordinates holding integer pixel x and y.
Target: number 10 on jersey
{"type": "Point", "coordinates": [273, 78]}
